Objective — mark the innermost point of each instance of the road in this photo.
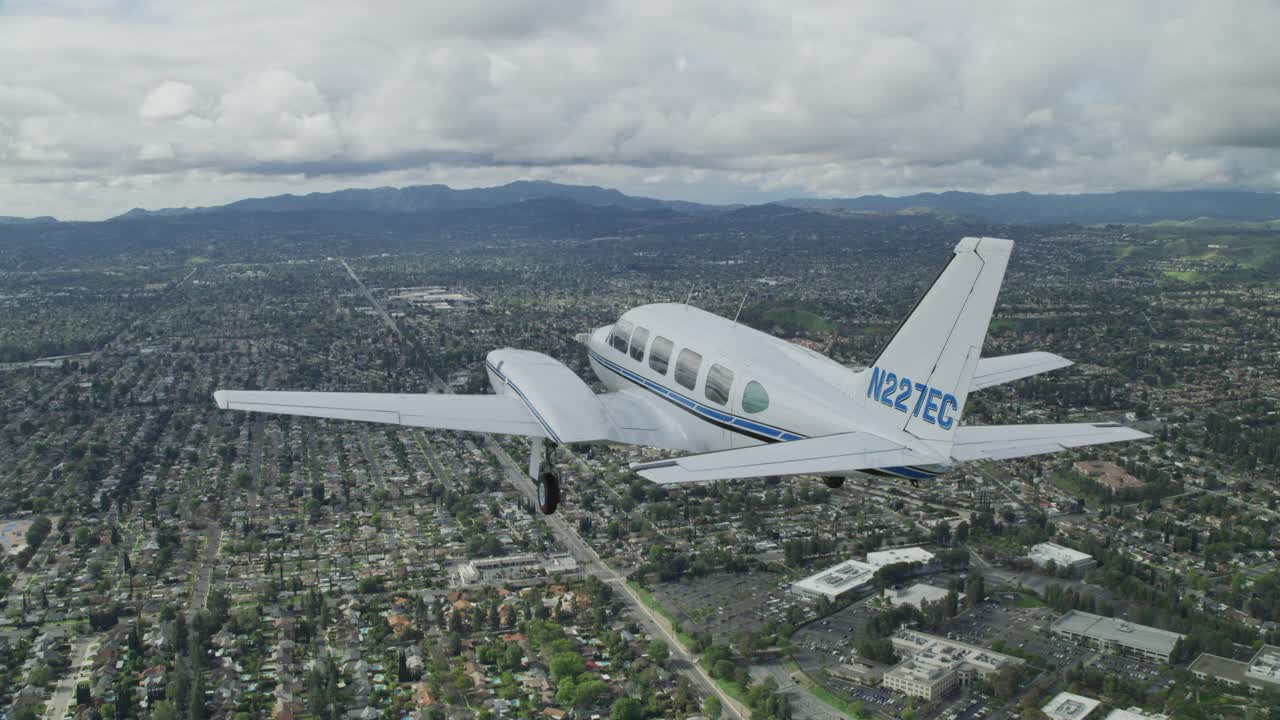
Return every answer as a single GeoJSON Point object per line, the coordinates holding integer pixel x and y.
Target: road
{"type": "Point", "coordinates": [369, 296]}
{"type": "Point", "coordinates": [66, 688]}
{"type": "Point", "coordinates": [591, 562]}
{"type": "Point", "coordinates": [204, 576]}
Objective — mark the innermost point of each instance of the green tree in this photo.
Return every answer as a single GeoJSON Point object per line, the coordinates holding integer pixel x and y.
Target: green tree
{"type": "Point", "coordinates": [658, 650]}
{"type": "Point", "coordinates": [589, 693]}
{"type": "Point", "coordinates": [566, 665]}
{"type": "Point", "coordinates": [712, 708]}
{"type": "Point", "coordinates": [626, 709]}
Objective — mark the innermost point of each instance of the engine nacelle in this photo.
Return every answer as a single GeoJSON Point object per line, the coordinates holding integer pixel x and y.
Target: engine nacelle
{"type": "Point", "coordinates": [561, 401]}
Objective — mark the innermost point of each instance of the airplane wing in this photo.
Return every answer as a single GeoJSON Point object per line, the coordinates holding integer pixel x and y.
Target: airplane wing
{"type": "Point", "coordinates": [1007, 368]}
{"type": "Point", "coordinates": [628, 417]}
{"type": "Point", "coordinates": [830, 454]}
{"type": "Point", "coordinates": [1000, 442]}
{"type": "Point", "coordinates": [475, 413]}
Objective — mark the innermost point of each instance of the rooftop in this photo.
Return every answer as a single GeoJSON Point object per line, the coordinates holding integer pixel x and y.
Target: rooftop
{"type": "Point", "coordinates": [899, 555]}
{"type": "Point", "coordinates": [917, 595]}
{"type": "Point", "coordinates": [1134, 635]}
{"type": "Point", "coordinates": [1069, 706]}
{"type": "Point", "coordinates": [1134, 713]}
{"type": "Point", "coordinates": [1060, 555]}
{"type": "Point", "coordinates": [833, 581]}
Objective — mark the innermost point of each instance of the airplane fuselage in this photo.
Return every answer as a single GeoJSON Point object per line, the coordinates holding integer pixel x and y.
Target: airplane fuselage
{"type": "Point", "coordinates": [735, 386]}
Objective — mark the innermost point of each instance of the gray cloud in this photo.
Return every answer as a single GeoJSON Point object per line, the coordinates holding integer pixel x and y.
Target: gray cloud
{"type": "Point", "coordinates": [106, 105]}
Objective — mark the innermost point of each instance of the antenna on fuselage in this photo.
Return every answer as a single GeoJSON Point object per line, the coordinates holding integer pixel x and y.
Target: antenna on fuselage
{"type": "Point", "coordinates": [740, 306]}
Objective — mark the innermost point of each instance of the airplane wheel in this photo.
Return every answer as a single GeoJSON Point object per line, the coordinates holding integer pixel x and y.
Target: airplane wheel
{"type": "Point", "coordinates": [548, 492]}
{"type": "Point", "coordinates": [833, 482]}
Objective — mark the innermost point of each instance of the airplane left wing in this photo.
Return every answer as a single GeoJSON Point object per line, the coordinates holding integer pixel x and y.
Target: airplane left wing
{"type": "Point", "coordinates": [1007, 368]}
{"type": "Point", "coordinates": [830, 454]}
{"type": "Point", "coordinates": [474, 413]}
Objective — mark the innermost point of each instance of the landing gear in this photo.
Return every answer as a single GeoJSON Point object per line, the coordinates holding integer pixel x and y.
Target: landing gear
{"type": "Point", "coordinates": [544, 476]}
{"type": "Point", "coordinates": [834, 481]}
{"type": "Point", "coordinates": [548, 491]}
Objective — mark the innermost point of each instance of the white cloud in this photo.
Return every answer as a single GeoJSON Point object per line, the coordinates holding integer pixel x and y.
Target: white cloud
{"type": "Point", "coordinates": [210, 101]}
{"type": "Point", "coordinates": [168, 100]}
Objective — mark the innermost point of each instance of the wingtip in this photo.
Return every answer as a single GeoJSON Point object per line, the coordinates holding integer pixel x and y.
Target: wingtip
{"type": "Point", "coordinates": [220, 397]}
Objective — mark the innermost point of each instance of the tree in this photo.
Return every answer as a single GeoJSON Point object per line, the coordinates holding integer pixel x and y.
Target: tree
{"type": "Point", "coordinates": [975, 589]}
{"type": "Point", "coordinates": [164, 710]}
{"type": "Point", "coordinates": [589, 693]}
{"type": "Point", "coordinates": [626, 709]}
{"type": "Point", "coordinates": [658, 650]}
{"type": "Point", "coordinates": [567, 665]}
{"type": "Point", "coordinates": [711, 707]}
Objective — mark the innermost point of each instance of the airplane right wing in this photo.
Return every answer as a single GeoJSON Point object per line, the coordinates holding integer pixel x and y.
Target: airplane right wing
{"type": "Point", "coordinates": [829, 455]}
{"type": "Point", "coordinates": [1000, 442]}
{"type": "Point", "coordinates": [1007, 368]}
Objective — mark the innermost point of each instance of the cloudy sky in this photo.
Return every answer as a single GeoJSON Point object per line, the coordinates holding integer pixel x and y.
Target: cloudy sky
{"type": "Point", "coordinates": [105, 106]}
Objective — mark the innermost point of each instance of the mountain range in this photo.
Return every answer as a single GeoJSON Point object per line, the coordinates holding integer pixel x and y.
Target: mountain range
{"type": "Point", "coordinates": [1010, 208]}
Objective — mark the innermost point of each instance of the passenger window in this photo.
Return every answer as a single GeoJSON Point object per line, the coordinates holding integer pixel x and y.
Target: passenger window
{"type": "Point", "coordinates": [754, 398]}
{"type": "Point", "coordinates": [639, 339]}
{"type": "Point", "coordinates": [719, 380]}
{"type": "Point", "coordinates": [621, 333]}
{"type": "Point", "coordinates": [687, 365]}
{"type": "Point", "coordinates": [660, 355]}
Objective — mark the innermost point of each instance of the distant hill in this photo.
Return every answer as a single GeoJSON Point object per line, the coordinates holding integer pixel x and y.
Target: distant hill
{"type": "Point", "coordinates": [435, 198]}
{"type": "Point", "coordinates": [1086, 209]}
{"type": "Point", "coordinates": [10, 220]}
{"type": "Point", "coordinates": [521, 198]}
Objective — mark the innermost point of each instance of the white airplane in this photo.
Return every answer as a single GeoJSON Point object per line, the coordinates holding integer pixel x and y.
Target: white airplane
{"type": "Point", "coordinates": [745, 403]}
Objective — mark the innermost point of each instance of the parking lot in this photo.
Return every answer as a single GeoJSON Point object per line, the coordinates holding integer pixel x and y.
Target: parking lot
{"type": "Point", "coordinates": [1135, 670]}
{"type": "Point", "coordinates": [725, 604]}
{"type": "Point", "coordinates": [830, 641]}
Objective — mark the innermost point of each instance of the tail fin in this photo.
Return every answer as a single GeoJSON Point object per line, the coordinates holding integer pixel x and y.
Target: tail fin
{"type": "Point", "coordinates": [921, 379]}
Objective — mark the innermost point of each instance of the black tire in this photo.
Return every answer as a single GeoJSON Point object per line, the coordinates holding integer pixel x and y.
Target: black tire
{"type": "Point", "coordinates": [548, 492]}
{"type": "Point", "coordinates": [834, 481]}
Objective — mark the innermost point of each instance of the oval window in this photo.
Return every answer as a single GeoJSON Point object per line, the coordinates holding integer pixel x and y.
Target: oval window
{"type": "Point", "coordinates": [754, 398]}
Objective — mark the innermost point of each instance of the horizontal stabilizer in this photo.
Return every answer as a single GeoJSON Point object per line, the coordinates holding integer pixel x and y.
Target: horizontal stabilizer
{"type": "Point", "coordinates": [1000, 442]}
{"type": "Point", "coordinates": [1007, 368]}
{"type": "Point", "coordinates": [473, 413]}
{"type": "Point", "coordinates": [830, 454]}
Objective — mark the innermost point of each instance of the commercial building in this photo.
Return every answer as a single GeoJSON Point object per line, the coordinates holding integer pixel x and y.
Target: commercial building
{"type": "Point", "coordinates": [930, 677]}
{"type": "Point", "coordinates": [917, 595]}
{"type": "Point", "coordinates": [1134, 713]}
{"type": "Point", "coordinates": [934, 665]}
{"type": "Point", "coordinates": [1069, 706]}
{"type": "Point", "coordinates": [881, 558]}
{"type": "Point", "coordinates": [1117, 637]}
{"type": "Point", "coordinates": [514, 567]}
{"type": "Point", "coordinates": [1060, 556]}
{"type": "Point", "coordinates": [848, 578]}
{"type": "Point", "coordinates": [1262, 672]}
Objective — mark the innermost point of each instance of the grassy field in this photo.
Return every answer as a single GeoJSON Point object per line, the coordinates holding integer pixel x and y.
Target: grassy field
{"type": "Point", "coordinates": [792, 319]}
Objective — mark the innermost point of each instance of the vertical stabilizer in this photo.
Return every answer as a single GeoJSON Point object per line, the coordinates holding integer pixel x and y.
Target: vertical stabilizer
{"type": "Point", "coordinates": [921, 379]}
